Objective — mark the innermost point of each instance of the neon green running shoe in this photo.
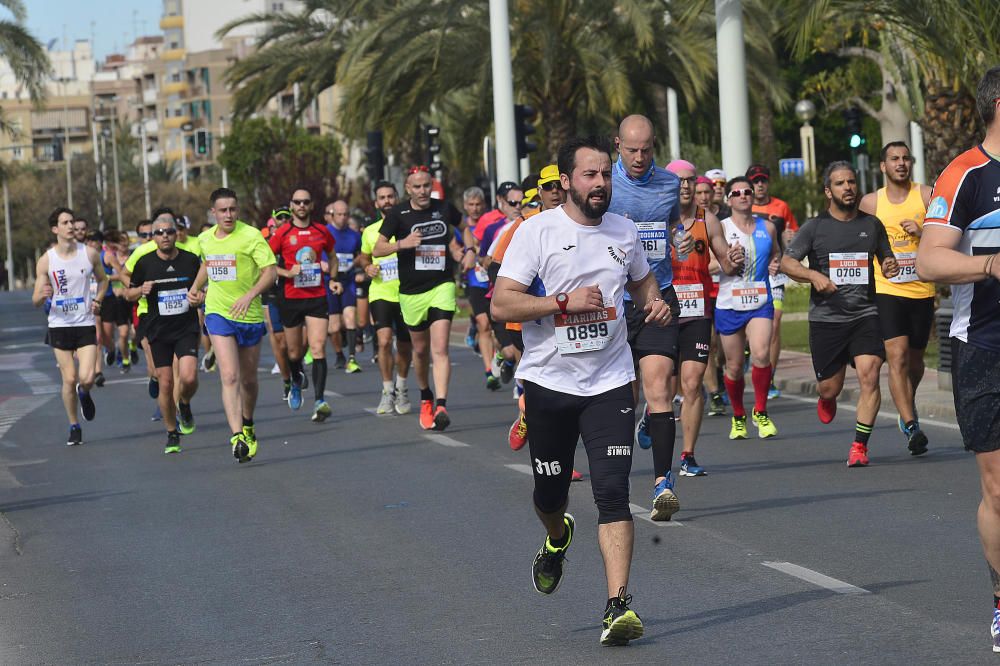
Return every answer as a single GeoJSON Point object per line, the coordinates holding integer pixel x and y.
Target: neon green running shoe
{"type": "Point", "coordinates": [173, 443]}
{"type": "Point", "coordinates": [547, 567]}
{"type": "Point", "coordinates": [352, 366]}
{"type": "Point", "coordinates": [185, 419]}
{"type": "Point", "coordinates": [308, 358]}
{"type": "Point", "coordinates": [621, 624]}
{"type": "Point", "coordinates": [765, 426]}
{"type": "Point", "coordinates": [739, 429]}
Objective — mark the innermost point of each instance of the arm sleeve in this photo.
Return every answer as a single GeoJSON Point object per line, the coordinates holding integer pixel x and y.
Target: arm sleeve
{"type": "Point", "coordinates": [947, 205]}
{"type": "Point", "coordinates": [802, 243]}
{"type": "Point", "coordinates": [368, 241]}
{"type": "Point", "coordinates": [261, 252]}
{"type": "Point", "coordinates": [883, 249]}
{"type": "Point", "coordinates": [138, 273]}
{"type": "Point", "coordinates": [390, 227]}
{"type": "Point", "coordinates": [523, 260]}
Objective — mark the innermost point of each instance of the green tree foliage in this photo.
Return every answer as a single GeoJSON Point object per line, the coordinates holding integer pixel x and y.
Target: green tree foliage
{"type": "Point", "coordinates": [267, 159]}
{"type": "Point", "coordinates": [23, 53]}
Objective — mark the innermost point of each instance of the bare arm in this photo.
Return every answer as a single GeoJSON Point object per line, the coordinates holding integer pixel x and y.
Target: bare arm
{"type": "Point", "coordinates": [869, 201]}
{"type": "Point", "coordinates": [102, 277]}
{"type": "Point", "coordinates": [646, 294]}
{"type": "Point", "coordinates": [939, 261]}
{"type": "Point", "coordinates": [512, 303]}
{"type": "Point", "coordinates": [383, 248]}
{"type": "Point", "coordinates": [43, 289]}
{"type": "Point", "coordinates": [719, 246]}
{"type": "Point", "coordinates": [795, 270]}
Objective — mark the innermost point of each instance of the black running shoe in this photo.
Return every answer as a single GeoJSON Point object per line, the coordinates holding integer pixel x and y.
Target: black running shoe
{"type": "Point", "coordinates": [547, 569]}
{"type": "Point", "coordinates": [173, 444]}
{"type": "Point", "coordinates": [185, 419]}
{"type": "Point", "coordinates": [75, 435]}
{"type": "Point", "coordinates": [99, 380]}
{"type": "Point", "coordinates": [506, 371]}
{"type": "Point", "coordinates": [153, 386]}
{"type": "Point", "coordinates": [621, 624]}
{"type": "Point", "coordinates": [87, 407]}
{"type": "Point", "coordinates": [109, 357]}
{"type": "Point", "coordinates": [133, 355]}
{"type": "Point", "coordinates": [340, 363]}
{"type": "Point", "coordinates": [303, 380]}
{"type": "Point", "coordinates": [916, 441]}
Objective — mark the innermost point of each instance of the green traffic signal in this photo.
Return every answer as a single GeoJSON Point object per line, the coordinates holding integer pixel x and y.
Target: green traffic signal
{"type": "Point", "coordinates": [857, 141]}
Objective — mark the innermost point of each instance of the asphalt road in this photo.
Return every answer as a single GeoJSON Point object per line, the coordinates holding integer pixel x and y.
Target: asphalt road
{"type": "Point", "coordinates": [366, 540]}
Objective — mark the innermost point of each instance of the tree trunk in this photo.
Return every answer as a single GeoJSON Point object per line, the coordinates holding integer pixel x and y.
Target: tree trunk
{"type": "Point", "coordinates": [559, 121]}
{"type": "Point", "coordinates": [766, 150]}
{"type": "Point", "coordinates": [951, 125]}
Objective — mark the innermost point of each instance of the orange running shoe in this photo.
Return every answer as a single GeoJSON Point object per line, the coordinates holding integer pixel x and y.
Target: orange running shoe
{"type": "Point", "coordinates": [426, 414]}
{"type": "Point", "coordinates": [518, 434]}
{"type": "Point", "coordinates": [441, 420]}
{"type": "Point", "coordinates": [858, 456]}
{"type": "Point", "coordinates": [826, 410]}
{"type": "Point", "coordinates": [577, 476]}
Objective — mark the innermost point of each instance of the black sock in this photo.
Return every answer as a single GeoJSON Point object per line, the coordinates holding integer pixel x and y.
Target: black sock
{"type": "Point", "coordinates": [247, 423]}
{"type": "Point", "coordinates": [862, 432]}
{"type": "Point", "coordinates": [426, 394]}
{"type": "Point", "coordinates": [562, 541]}
{"type": "Point", "coordinates": [441, 402]}
{"type": "Point", "coordinates": [910, 425]}
{"type": "Point", "coordinates": [719, 379]}
{"type": "Point", "coordinates": [319, 377]}
{"type": "Point", "coordinates": [662, 430]}
{"type": "Point", "coordinates": [295, 367]}
{"type": "Point", "coordinates": [352, 338]}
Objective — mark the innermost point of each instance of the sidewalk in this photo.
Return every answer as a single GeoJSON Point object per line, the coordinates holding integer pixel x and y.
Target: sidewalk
{"type": "Point", "coordinates": [795, 376]}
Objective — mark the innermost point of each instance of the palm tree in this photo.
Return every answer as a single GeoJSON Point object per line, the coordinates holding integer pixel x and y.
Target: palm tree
{"type": "Point", "coordinates": [24, 54]}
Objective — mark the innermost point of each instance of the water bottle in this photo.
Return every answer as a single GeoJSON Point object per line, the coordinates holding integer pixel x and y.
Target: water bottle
{"type": "Point", "coordinates": [679, 234]}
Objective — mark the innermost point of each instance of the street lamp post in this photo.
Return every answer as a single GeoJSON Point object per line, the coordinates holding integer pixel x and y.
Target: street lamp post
{"type": "Point", "coordinates": [10, 235]}
{"type": "Point", "coordinates": [145, 166]}
{"type": "Point", "coordinates": [66, 151]}
{"type": "Point", "coordinates": [734, 99]}
{"type": "Point", "coordinates": [503, 92]}
{"type": "Point", "coordinates": [806, 111]}
{"type": "Point", "coordinates": [222, 136]}
{"type": "Point", "coordinates": [114, 164]}
{"type": "Point", "coordinates": [97, 170]}
{"type": "Point", "coordinates": [185, 128]}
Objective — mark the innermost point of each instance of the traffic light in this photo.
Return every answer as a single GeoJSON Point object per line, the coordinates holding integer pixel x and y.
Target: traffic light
{"type": "Point", "coordinates": [201, 142]}
{"type": "Point", "coordinates": [432, 134]}
{"type": "Point", "coordinates": [855, 133]}
{"type": "Point", "coordinates": [375, 157]}
{"type": "Point", "coordinates": [523, 117]}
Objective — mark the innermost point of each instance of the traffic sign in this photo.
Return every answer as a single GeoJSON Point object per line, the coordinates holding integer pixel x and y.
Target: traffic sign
{"type": "Point", "coordinates": [792, 166]}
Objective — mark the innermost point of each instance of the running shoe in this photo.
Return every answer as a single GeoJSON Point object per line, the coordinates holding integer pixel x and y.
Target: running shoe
{"type": "Point", "coordinates": [518, 390]}
{"type": "Point", "coordinates": [715, 405]}
{"type": "Point", "coordinates": [826, 410]}
{"type": "Point", "coordinates": [250, 434]}
{"type": "Point", "coordinates": [995, 630]}
{"type": "Point", "coordinates": [547, 567]}
{"type": "Point", "coordinates": [385, 404]}
{"type": "Point", "coordinates": [765, 426]}
{"type": "Point", "coordinates": [665, 502]}
{"type": "Point", "coordinates": [275, 370]}
{"type": "Point", "coordinates": [773, 392]}
{"type": "Point", "coordinates": [308, 358]}
{"type": "Point", "coordinates": [295, 397]}
{"type": "Point", "coordinates": [75, 435]}
{"type": "Point", "coordinates": [497, 364]}
{"type": "Point", "coordinates": [87, 407]}
{"type": "Point", "coordinates": [157, 415]}
{"type": "Point", "coordinates": [746, 360]}
{"type": "Point", "coordinates": [916, 440]}
{"type": "Point", "coordinates": [739, 429]}
{"type": "Point", "coordinates": [470, 341]}
{"type": "Point", "coordinates": [99, 380]}
{"type": "Point", "coordinates": [427, 414]}
{"type": "Point", "coordinates": [133, 353]}
{"type": "Point", "coordinates": [577, 476]}
{"type": "Point", "coordinates": [285, 390]}
{"type": "Point", "coordinates": [642, 437]}
{"type": "Point", "coordinates": [208, 362]}
{"type": "Point", "coordinates": [493, 382]}
{"type": "Point", "coordinates": [690, 466]}
{"type": "Point", "coordinates": [340, 363]}
{"type": "Point", "coordinates": [321, 411]}
{"type": "Point", "coordinates": [241, 448]}
{"type": "Point", "coordinates": [185, 419]}
{"type": "Point", "coordinates": [173, 443]}
{"type": "Point", "coordinates": [109, 357]}
{"type": "Point", "coordinates": [621, 624]}
{"type": "Point", "coordinates": [518, 434]}
{"type": "Point", "coordinates": [303, 380]}
{"type": "Point", "coordinates": [126, 367]}
{"type": "Point", "coordinates": [441, 420]}
{"type": "Point", "coordinates": [402, 403]}
{"type": "Point", "coordinates": [367, 337]}
{"type": "Point", "coordinates": [352, 367]}
{"type": "Point", "coordinates": [506, 371]}
{"type": "Point", "coordinates": [153, 387]}
{"type": "Point", "coordinates": [858, 456]}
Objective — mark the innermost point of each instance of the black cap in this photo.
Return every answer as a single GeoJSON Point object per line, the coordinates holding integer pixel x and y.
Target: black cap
{"type": "Point", "coordinates": [758, 171]}
{"type": "Point", "coordinates": [505, 187]}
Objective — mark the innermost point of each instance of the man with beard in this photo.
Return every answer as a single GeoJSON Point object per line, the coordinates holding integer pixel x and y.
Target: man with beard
{"type": "Point", "coordinates": [843, 317]}
{"type": "Point", "coordinates": [576, 368]}
{"type": "Point", "coordinates": [428, 253]}
{"type": "Point", "coordinates": [648, 195]}
{"type": "Point", "coordinates": [300, 245]}
{"type": "Point", "coordinates": [905, 302]}
{"type": "Point", "coordinates": [388, 317]}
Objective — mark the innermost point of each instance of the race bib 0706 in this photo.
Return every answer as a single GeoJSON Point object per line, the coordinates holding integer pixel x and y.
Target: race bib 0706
{"type": "Point", "coordinates": [310, 275]}
{"type": "Point", "coordinates": [653, 236]}
{"type": "Point", "coordinates": [907, 268]}
{"type": "Point", "coordinates": [430, 258]}
{"type": "Point", "coordinates": [587, 331]}
{"type": "Point", "coordinates": [849, 267]}
{"type": "Point", "coordinates": [221, 267]}
{"type": "Point", "coordinates": [172, 302]}
{"type": "Point", "coordinates": [692, 299]}
{"type": "Point", "coordinates": [749, 295]}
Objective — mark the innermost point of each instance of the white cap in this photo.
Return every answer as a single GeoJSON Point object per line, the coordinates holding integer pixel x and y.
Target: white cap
{"type": "Point", "coordinates": [716, 174]}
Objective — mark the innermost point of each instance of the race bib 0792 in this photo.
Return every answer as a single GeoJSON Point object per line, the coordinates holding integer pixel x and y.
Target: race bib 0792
{"type": "Point", "coordinates": [221, 267]}
{"type": "Point", "coordinates": [345, 260]}
{"type": "Point", "coordinates": [849, 267]}
{"type": "Point", "coordinates": [907, 268]}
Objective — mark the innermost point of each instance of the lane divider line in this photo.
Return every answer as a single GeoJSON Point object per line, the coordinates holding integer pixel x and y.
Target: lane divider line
{"type": "Point", "coordinates": [889, 415]}
{"type": "Point", "coordinates": [444, 440]}
{"type": "Point", "coordinates": [523, 469]}
{"type": "Point", "coordinates": [816, 578]}
{"type": "Point", "coordinates": [643, 513]}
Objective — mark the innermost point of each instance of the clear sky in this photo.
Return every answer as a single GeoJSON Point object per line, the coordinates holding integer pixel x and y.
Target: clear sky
{"type": "Point", "coordinates": [112, 24]}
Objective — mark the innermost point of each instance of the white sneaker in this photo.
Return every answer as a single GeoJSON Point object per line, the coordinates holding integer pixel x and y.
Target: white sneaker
{"type": "Point", "coordinates": [275, 370]}
{"type": "Point", "coordinates": [403, 401]}
{"type": "Point", "coordinates": [385, 405]}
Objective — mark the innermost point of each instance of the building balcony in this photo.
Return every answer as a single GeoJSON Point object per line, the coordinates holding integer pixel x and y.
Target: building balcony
{"type": "Point", "coordinates": [175, 122]}
{"type": "Point", "coordinates": [149, 96]}
{"type": "Point", "coordinates": [172, 22]}
{"type": "Point", "coordinates": [152, 126]}
{"type": "Point", "coordinates": [173, 54]}
{"type": "Point", "coordinates": [175, 88]}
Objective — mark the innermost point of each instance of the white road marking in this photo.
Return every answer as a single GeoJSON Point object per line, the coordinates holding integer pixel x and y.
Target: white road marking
{"type": "Point", "coordinates": [892, 416]}
{"type": "Point", "coordinates": [14, 409]}
{"type": "Point", "coordinates": [816, 578]}
{"type": "Point", "coordinates": [19, 329]}
{"type": "Point", "coordinates": [26, 345]}
{"type": "Point", "coordinates": [642, 512]}
{"type": "Point", "coordinates": [444, 440]}
{"type": "Point", "coordinates": [523, 469]}
{"type": "Point", "coordinates": [39, 382]}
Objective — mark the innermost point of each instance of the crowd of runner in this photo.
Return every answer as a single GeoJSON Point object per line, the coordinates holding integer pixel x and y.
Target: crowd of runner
{"type": "Point", "coordinates": [608, 294]}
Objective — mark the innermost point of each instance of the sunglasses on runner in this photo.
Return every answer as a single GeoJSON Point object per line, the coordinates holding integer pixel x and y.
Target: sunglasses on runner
{"type": "Point", "coordinates": [301, 202]}
{"type": "Point", "coordinates": [515, 204]}
{"type": "Point", "coordinates": [165, 232]}
{"type": "Point", "coordinates": [548, 187]}
{"type": "Point", "coordinates": [745, 192]}
{"type": "Point", "coordinates": [144, 234]}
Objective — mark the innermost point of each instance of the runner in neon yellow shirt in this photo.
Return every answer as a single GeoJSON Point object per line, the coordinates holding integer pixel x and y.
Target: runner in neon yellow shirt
{"type": "Point", "coordinates": [238, 267]}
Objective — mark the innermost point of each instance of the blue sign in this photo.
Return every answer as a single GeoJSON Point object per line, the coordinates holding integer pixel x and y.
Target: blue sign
{"type": "Point", "coordinates": [792, 166]}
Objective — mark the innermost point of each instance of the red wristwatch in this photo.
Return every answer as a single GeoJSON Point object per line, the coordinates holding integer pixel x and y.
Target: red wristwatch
{"type": "Point", "coordinates": [562, 300]}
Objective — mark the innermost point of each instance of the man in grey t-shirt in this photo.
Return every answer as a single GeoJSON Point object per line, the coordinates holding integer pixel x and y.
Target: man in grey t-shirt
{"type": "Point", "coordinates": [840, 245]}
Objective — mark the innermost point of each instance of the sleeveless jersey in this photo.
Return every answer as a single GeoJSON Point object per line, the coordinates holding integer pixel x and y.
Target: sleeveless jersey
{"type": "Point", "coordinates": [750, 289]}
{"type": "Point", "coordinates": [904, 246]}
{"type": "Point", "coordinates": [70, 280]}
{"type": "Point", "coordinates": [692, 281]}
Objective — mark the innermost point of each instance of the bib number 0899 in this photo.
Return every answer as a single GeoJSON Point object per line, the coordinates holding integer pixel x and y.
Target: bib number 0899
{"type": "Point", "coordinates": [586, 331]}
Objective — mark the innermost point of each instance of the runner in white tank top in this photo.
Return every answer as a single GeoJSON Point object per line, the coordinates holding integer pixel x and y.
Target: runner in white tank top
{"type": "Point", "coordinates": [63, 275]}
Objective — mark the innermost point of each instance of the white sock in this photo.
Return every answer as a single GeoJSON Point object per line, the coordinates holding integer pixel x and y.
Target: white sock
{"type": "Point", "coordinates": [401, 383]}
{"type": "Point", "coordinates": [387, 386]}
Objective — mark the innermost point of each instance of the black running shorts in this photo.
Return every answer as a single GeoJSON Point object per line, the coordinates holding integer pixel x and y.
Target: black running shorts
{"type": "Point", "coordinates": [556, 421]}
{"type": "Point", "coordinates": [976, 387]}
{"type": "Point", "coordinates": [835, 345]}
{"type": "Point", "coordinates": [912, 317]}
{"type": "Point", "coordinates": [694, 337]}
{"type": "Point", "coordinates": [478, 301]}
{"type": "Point", "coordinates": [71, 338]}
{"type": "Point", "coordinates": [294, 311]}
{"type": "Point", "coordinates": [652, 339]}
{"type": "Point", "coordinates": [164, 351]}
{"type": "Point", "coordinates": [388, 314]}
